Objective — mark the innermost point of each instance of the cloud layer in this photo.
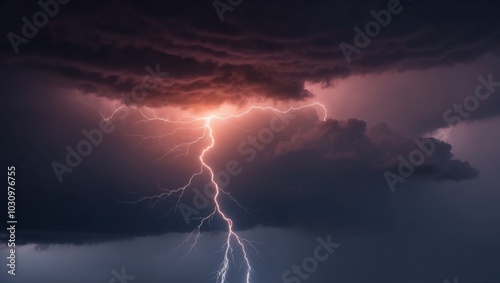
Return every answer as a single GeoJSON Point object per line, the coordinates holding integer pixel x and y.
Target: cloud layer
{"type": "Point", "coordinates": [260, 51]}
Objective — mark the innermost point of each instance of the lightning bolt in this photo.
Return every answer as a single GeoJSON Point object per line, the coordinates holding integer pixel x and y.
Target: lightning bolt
{"type": "Point", "coordinates": [207, 133]}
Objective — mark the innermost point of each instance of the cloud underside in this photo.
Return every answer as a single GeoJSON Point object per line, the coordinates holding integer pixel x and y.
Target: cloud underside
{"type": "Point", "coordinates": [257, 53]}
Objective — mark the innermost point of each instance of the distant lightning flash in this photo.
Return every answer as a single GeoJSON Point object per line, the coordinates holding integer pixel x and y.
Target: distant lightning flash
{"type": "Point", "coordinates": [207, 133]}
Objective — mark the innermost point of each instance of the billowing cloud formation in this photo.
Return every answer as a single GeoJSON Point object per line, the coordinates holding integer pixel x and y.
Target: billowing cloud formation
{"type": "Point", "coordinates": [258, 51]}
{"type": "Point", "coordinates": [348, 142]}
{"type": "Point", "coordinates": [311, 172]}
{"type": "Point", "coordinates": [314, 170]}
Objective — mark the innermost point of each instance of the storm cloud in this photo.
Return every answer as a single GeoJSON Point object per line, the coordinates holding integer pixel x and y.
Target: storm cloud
{"type": "Point", "coordinates": [257, 53]}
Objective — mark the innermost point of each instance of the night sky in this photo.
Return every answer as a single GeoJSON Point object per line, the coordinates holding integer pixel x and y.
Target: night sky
{"type": "Point", "coordinates": [238, 141]}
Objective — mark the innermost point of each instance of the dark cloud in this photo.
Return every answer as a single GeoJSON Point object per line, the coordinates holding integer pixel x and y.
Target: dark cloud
{"type": "Point", "coordinates": [310, 173]}
{"type": "Point", "coordinates": [105, 47]}
{"type": "Point", "coordinates": [347, 142]}
{"type": "Point", "coordinates": [333, 172]}
{"type": "Point", "coordinates": [261, 50]}
{"type": "Point", "coordinates": [299, 178]}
